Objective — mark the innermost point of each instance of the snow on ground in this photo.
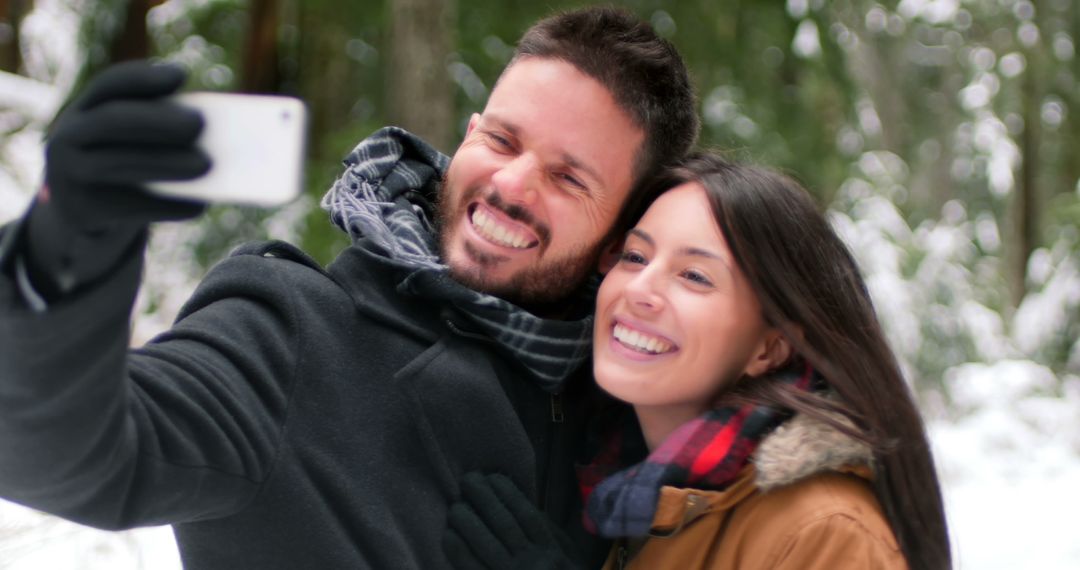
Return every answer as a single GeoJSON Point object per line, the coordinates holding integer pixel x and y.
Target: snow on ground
{"type": "Point", "coordinates": [33, 541]}
{"type": "Point", "coordinates": [1010, 463]}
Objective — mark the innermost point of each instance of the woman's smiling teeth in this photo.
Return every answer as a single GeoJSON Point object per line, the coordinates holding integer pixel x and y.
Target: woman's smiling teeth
{"type": "Point", "coordinates": [497, 233]}
{"type": "Point", "coordinates": [640, 341]}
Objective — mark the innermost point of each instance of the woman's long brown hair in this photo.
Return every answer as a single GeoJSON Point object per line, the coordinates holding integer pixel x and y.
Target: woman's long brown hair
{"type": "Point", "coordinates": [810, 286]}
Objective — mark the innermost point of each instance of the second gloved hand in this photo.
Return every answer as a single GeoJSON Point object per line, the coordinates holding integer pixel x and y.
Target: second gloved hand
{"type": "Point", "coordinates": [496, 527]}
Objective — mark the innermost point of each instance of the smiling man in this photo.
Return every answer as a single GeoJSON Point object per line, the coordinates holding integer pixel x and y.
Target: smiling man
{"type": "Point", "coordinates": [536, 185]}
{"type": "Point", "coordinates": [297, 416]}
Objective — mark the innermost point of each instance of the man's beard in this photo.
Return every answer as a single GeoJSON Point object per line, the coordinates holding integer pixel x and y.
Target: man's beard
{"type": "Point", "coordinates": [541, 287]}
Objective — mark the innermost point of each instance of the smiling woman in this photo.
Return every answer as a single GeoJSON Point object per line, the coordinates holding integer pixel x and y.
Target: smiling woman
{"type": "Point", "coordinates": [780, 430]}
{"type": "Point", "coordinates": [676, 320]}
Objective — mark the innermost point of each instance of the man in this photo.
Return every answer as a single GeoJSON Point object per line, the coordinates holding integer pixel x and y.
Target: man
{"type": "Point", "coordinates": [296, 416]}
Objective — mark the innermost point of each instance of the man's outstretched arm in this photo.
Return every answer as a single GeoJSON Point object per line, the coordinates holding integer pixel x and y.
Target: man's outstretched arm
{"type": "Point", "coordinates": [181, 430]}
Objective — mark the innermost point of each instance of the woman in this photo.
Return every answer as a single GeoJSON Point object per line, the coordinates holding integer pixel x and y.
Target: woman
{"type": "Point", "coordinates": [780, 431]}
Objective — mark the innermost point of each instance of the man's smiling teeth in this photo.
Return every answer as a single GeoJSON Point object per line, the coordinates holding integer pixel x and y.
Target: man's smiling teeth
{"type": "Point", "coordinates": [496, 232]}
{"type": "Point", "coordinates": [641, 341]}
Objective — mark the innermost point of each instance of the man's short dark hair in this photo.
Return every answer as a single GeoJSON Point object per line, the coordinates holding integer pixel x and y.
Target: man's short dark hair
{"type": "Point", "coordinates": [643, 71]}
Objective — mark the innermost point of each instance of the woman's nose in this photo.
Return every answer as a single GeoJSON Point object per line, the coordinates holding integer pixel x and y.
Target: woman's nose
{"type": "Point", "coordinates": [644, 291]}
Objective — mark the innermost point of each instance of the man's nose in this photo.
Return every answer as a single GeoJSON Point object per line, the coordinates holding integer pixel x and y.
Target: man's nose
{"type": "Point", "coordinates": [516, 181]}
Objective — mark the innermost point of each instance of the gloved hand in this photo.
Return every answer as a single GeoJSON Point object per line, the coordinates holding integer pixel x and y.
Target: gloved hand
{"type": "Point", "coordinates": [496, 527]}
{"type": "Point", "coordinates": [119, 134]}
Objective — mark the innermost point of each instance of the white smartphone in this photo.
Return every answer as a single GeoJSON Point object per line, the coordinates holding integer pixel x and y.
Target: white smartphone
{"type": "Point", "coordinates": [256, 143]}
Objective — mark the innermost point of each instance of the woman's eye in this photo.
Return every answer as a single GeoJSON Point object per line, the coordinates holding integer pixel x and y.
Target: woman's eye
{"type": "Point", "coordinates": [696, 277]}
{"type": "Point", "coordinates": [631, 256]}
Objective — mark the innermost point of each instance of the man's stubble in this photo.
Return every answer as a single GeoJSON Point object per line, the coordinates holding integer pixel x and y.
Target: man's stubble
{"type": "Point", "coordinates": [544, 284]}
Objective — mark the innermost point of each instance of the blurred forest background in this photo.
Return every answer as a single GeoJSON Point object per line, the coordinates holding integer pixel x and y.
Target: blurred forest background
{"type": "Point", "coordinates": [942, 135]}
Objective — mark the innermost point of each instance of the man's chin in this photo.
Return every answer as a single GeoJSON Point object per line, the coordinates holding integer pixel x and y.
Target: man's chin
{"type": "Point", "coordinates": [480, 278]}
{"type": "Point", "coordinates": [531, 285]}
{"type": "Point", "coordinates": [530, 290]}
{"type": "Point", "coordinates": [483, 271]}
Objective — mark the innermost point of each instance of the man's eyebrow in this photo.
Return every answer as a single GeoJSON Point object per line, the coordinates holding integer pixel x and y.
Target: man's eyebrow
{"type": "Point", "coordinates": [502, 123]}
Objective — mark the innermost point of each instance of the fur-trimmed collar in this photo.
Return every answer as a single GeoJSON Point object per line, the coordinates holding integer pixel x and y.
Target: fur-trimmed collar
{"type": "Point", "coordinates": [804, 446]}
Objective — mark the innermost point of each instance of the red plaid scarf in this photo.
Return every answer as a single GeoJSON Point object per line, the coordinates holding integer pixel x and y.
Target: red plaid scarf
{"type": "Point", "coordinates": [704, 453]}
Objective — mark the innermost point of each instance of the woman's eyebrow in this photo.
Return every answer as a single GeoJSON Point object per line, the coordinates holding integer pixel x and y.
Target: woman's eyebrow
{"type": "Point", "coordinates": [642, 234]}
{"type": "Point", "coordinates": [692, 251]}
{"type": "Point", "coordinates": [698, 252]}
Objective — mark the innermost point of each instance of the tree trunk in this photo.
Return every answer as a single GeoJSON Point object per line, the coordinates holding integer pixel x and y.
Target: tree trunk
{"type": "Point", "coordinates": [1071, 167]}
{"type": "Point", "coordinates": [1025, 203]}
{"type": "Point", "coordinates": [131, 40]}
{"type": "Point", "coordinates": [260, 73]}
{"type": "Point", "coordinates": [321, 69]}
{"type": "Point", "coordinates": [11, 15]}
{"type": "Point", "coordinates": [420, 95]}
{"type": "Point", "coordinates": [881, 71]}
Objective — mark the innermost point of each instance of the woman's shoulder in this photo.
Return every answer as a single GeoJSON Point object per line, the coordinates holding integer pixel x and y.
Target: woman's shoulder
{"type": "Point", "coordinates": [844, 494]}
{"type": "Point", "coordinates": [813, 504]}
{"type": "Point", "coordinates": [825, 520]}
{"type": "Point", "coordinates": [829, 520]}
{"type": "Point", "coordinates": [813, 490]}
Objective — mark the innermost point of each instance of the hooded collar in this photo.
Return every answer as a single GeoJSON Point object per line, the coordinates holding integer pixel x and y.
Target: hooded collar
{"type": "Point", "coordinates": [803, 447]}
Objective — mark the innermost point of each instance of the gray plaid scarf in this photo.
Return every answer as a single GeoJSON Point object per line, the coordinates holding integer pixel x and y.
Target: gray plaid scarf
{"type": "Point", "coordinates": [383, 196]}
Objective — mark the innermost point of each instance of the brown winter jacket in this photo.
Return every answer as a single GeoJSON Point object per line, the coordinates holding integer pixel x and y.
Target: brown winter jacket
{"type": "Point", "coordinates": [804, 504]}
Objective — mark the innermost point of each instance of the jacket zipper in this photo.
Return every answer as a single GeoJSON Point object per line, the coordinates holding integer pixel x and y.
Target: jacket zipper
{"type": "Point", "coordinates": [557, 409]}
{"type": "Point", "coordinates": [554, 431]}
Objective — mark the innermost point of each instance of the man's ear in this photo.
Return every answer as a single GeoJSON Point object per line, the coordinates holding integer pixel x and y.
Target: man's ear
{"type": "Point", "coordinates": [773, 351]}
{"type": "Point", "coordinates": [609, 256]}
{"type": "Point", "coordinates": [473, 121]}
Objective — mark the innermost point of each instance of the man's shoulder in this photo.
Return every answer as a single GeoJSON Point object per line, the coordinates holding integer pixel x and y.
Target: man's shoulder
{"type": "Point", "coordinates": [355, 283]}
{"type": "Point", "coordinates": [277, 249]}
{"type": "Point", "coordinates": [272, 272]}
{"type": "Point", "coordinates": [266, 263]}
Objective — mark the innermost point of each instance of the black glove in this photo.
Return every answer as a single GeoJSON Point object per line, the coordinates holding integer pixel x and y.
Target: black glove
{"type": "Point", "coordinates": [119, 134]}
{"type": "Point", "coordinates": [496, 527]}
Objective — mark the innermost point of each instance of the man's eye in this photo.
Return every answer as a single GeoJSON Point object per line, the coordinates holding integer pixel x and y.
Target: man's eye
{"type": "Point", "coordinates": [571, 180]}
{"type": "Point", "coordinates": [499, 141]}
